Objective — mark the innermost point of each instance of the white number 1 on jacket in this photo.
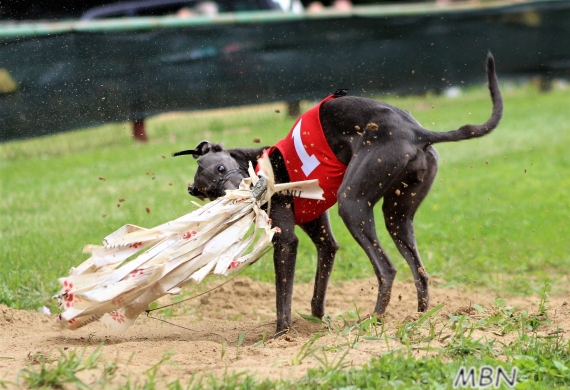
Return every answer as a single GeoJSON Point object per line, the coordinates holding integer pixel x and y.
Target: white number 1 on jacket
{"type": "Point", "coordinates": [310, 162]}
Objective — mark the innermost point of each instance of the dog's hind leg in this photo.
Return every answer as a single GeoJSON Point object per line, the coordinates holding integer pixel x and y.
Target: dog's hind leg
{"type": "Point", "coordinates": [365, 182]}
{"type": "Point", "coordinates": [284, 256]}
{"type": "Point", "coordinates": [401, 202]}
{"type": "Point", "coordinates": [320, 232]}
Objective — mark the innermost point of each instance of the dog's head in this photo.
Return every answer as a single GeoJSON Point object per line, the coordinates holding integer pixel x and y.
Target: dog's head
{"type": "Point", "coordinates": [217, 171]}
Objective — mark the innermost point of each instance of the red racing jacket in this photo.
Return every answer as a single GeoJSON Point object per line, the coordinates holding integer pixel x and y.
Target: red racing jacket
{"type": "Point", "coordinates": [307, 156]}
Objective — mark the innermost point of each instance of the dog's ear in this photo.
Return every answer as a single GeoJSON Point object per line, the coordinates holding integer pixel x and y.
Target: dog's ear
{"type": "Point", "coordinates": [192, 190]}
{"type": "Point", "coordinates": [200, 150]}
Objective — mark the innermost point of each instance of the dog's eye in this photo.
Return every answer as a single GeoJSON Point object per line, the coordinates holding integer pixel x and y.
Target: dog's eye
{"type": "Point", "coordinates": [221, 169]}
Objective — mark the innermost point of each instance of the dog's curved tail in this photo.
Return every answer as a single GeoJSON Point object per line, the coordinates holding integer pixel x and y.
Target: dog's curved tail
{"type": "Point", "coordinates": [474, 131]}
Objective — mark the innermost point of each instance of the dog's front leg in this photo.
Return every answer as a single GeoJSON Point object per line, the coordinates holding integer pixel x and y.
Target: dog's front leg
{"type": "Point", "coordinates": [284, 258]}
{"type": "Point", "coordinates": [320, 232]}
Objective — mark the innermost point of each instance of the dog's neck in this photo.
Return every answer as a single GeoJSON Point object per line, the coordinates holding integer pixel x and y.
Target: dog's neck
{"type": "Point", "coordinates": [244, 155]}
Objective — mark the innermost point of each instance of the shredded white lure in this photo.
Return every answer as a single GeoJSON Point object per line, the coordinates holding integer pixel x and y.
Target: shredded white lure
{"type": "Point", "coordinates": [136, 266]}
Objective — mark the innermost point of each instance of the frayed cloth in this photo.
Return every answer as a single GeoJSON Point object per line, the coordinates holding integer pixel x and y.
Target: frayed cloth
{"type": "Point", "coordinates": [136, 266]}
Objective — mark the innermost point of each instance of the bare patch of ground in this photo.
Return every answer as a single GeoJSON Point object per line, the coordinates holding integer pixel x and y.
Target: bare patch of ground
{"type": "Point", "coordinates": [208, 343]}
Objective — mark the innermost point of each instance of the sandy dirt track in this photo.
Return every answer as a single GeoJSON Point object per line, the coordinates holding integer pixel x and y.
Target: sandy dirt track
{"type": "Point", "coordinates": [220, 317]}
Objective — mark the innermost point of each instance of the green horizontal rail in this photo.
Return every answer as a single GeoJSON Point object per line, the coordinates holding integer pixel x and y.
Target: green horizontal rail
{"type": "Point", "coordinates": [67, 75]}
{"type": "Point", "coordinates": [27, 29]}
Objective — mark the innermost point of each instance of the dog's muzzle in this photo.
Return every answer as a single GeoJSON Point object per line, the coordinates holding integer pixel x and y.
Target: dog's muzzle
{"type": "Point", "coordinates": [192, 190]}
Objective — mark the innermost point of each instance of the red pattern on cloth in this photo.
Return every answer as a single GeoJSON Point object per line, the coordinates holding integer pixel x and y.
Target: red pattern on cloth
{"type": "Point", "coordinates": [308, 156]}
{"type": "Point", "coordinates": [116, 316]}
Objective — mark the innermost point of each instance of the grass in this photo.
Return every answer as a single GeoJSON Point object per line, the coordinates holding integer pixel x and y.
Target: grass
{"type": "Point", "coordinates": [497, 217]}
{"type": "Point", "coordinates": [64, 370]}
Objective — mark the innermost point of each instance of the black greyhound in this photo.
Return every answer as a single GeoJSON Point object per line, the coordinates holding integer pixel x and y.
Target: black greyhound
{"type": "Point", "coordinates": [387, 154]}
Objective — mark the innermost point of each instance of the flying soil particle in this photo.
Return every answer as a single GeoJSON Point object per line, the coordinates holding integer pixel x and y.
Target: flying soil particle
{"type": "Point", "coordinates": [147, 210]}
{"type": "Point", "coordinates": [102, 178]}
{"type": "Point", "coordinates": [256, 140]}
